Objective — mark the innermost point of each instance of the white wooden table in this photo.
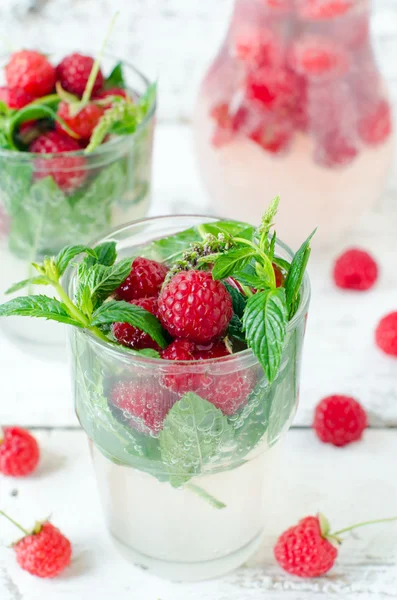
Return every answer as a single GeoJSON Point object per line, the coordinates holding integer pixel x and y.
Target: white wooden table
{"type": "Point", "coordinates": [348, 485]}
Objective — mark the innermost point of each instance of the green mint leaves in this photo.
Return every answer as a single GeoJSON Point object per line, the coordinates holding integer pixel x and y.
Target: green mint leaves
{"type": "Point", "coordinates": [115, 78]}
{"type": "Point", "coordinates": [39, 306]}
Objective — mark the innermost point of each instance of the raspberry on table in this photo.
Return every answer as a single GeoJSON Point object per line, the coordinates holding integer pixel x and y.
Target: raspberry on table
{"type": "Point", "coordinates": [375, 127]}
{"type": "Point", "coordinates": [339, 420]}
{"type": "Point", "coordinates": [68, 171]}
{"type": "Point", "coordinates": [143, 404]}
{"type": "Point", "coordinates": [302, 550]}
{"type": "Point", "coordinates": [73, 72]}
{"type": "Point", "coordinates": [19, 452]}
{"type": "Point", "coordinates": [82, 124]}
{"type": "Point", "coordinates": [194, 306]}
{"type": "Point", "coordinates": [45, 553]}
{"type": "Point", "coordinates": [317, 56]}
{"type": "Point", "coordinates": [355, 269]}
{"type": "Point", "coordinates": [145, 280]}
{"type": "Point", "coordinates": [130, 336]}
{"type": "Point", "coordinates": [15, 97]}
{"type": "Point", "coordinates": [386, 334]}
{"type": "Point", "coordinates": [31, 72]}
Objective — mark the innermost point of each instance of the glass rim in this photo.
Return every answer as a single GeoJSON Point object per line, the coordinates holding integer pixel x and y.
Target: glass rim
{"type": "Point", "coordinates": [246, 355]}
{"type": "Point", "coordinates": [109, 146]}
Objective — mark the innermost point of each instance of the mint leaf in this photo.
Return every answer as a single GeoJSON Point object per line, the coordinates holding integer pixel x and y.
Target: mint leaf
{"type": "Point", "coordinates": [194, 433]}
{"type": "Point", "coordinates": [283, 264]}
{"type": "Point", "coordinates": [39, 280]}
{"type": "Point", "coordinates": [119, 311]}
{"type": "Point", "coordinates": [85, 302]}
{"type": "Point", "coordinates": [267, 223]}
{"type": "Point", "coordinates": [238, 299]}
{"type": "Point", "coordinates": [149, 352]}
{"type": "Point", "coordinates": [64, 257]}
{"type": "Point", "coordinates": [295, 275]}
{"type": "Point", "coordinates": [106, 253]}
{"type": "Point", "coordinates": [231, 261]}
{"type": "Point", "coordinates": [102, 280]}
{"type": "Point", "coordinates": [235, 329]}
{"type": "Point", "coordinates": [116, 78]}
{"type": "Point", "coordinates": [38, 306]}
{"type": "Point", "coordinates": [265, 321]}
{"type": "Point", "coordinates": [250, 278]}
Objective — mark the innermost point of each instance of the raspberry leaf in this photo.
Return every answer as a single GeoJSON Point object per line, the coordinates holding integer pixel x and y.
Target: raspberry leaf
{"type": "Point", "coordinates": [118, 311]}
{"type": "Point", "coordinates": [194, 433]}
{"type": "Point", "coordinates": [67, 254]}
{"type": "Point", "coordinates": [231, 261]}
{"type": "Point", "coordinates": [38, 306]}
{"type": "Point", "coordinates": [265, 324]}
{"type": "Point", "coordinates": [39, 280]}
{"type": "Point", "coordinates": [116, 78]}
{"type": "Point", "coordinates": [295, 275]}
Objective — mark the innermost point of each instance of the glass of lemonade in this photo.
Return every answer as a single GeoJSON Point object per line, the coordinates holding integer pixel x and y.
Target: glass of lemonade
{"type": "Point", "coordinates": [185, 482]}
{"type": "Point", "coordinates": [39, 213]}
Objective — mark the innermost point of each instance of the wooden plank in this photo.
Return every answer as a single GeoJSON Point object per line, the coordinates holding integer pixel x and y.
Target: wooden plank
{"type": "Point", "coordinates": [348, 485]}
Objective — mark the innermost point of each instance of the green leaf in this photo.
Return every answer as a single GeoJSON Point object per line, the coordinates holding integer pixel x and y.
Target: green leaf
{"type": "Point", "coordinates": [85, 303]}
{"type": "Point", "coordinates": [116, 311]}
{"type": "Point", "coordinates": [267, 222]}
{"type": "Point", "coordinates": [38, 306]}
{"type": "Point", "coordinates": [235, 228]}
{"type": "Point", "coordinates": [283, 264]}
{"type": "Point", "coordinates": [265, 321]}
{"type": "Point", "coordinates": [38, 280]}
{"type": "Point", "coordinates": [35, 111]}
{"type": "Point", "coordinates": [235, 329]}
{"type": "Point", "coordinates": [232, 261]}
{"type": "Point", "coordinates": [250, 278]}
{"type": "Point", "coordinates": [106, 253]}
{"type": "Point", "coordinates": [149, 352]}
{"type": "Point", "coordinates": [116, 78]}
{"type": "Point", "coordinates": [102, 280]}
{"type": "Point", "coordinates": [194, 433]}
{"type": "Point", "coordinates": [295, 275]}
{"type": "Point", "coordinates": [64, 257]}
{"type": "Point", "coordinates": [238, 299]}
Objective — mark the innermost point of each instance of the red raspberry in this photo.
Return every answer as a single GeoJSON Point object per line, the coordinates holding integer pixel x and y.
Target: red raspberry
{"type": "Point", "coordinates": [178, 378]}
{"type": "Point", "coordinates": [31, 72]}
{"type": "Point", "coordinates": [84, 123]}
{"type": "Point", "coordinates": [19, 452]}
{"type": "Point", "coordinates": [44, 553]}
{"type": "Point", "coordinates": [279, 275]}
{"type": "Point", "coordinates": [228, 124]}
{"type": "Point", "coordinates": [73, 73]}
{"type": "Point", "coordinates": [281, 6]}
{"type": "Point", "coordinates": [339, 420]}
{"type": "Point", "coordinates": [323, 9]}
{"type": "Point", "coordinates": [229, 391]}
{"type": "Point", "coordinates": [335, 150]}
{"type": "Point", "coordinates": [215, 350]}
{"type": "Point", "coordinates": [386, 334]}
{"type": "Point", "coordinates": [145, 280]}
{"type": "Point", "coordinates": [68, 171]}
{"type": "Point", "coordinates": [179, 350]}
{"type": "Point", "coordinates": [376, 126]}
{"type": "Point", "coordinates": [355, 269]}
{"type": "Point", "coordinates": [256, 46]}
{"type": "Point", "coordinates": [144, 405]}
{"type": "Point", "coordinates": [275, 88]}
{"type": "Point", "coordinates": [132, 337]}
{"type": "Point", "coordinates": [303, 549]}
{"type": "Point", "coordinates": [15, 98]}
{"type": "Point", "coordinates": [195, 306]}
{"type": "Point", "coordinates": [316, 57]}
{"type": "Point", "coordinates": [273, 137]}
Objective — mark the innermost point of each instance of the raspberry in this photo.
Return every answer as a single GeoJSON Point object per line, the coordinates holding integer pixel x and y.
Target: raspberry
{"type": "Point", "coordinates": [15, 98]}
{"type": "Point", "coordinates": [256, 46]}
{"type": "Point", "coordinates": [215, 350]}
{"type": "Point", "coordinates": [335, 150]}
{"type": "Point", "coordinates": [195, 306]}
{"type": "Point", "coordinates": [31, 72]}
{"type": "Point", "coordinates": [275, 88]}
{"type": "Point", "coordinates": [317, 57]}
{"type": "Point", "coordinates": [145, 280]}
{"type": "Point", "coordinates": [179, 350]}
{"type": "Point", "coordinates": [304, 551]}
{"type": "Point", "coordinates": [228, 124]}
{"type": "Point", "coordinates": [19, 452]}
{"type": "Point", "coordinates": [73, 73]}
{"type": "Point", "coordinates": [281, 6]}
{"type": "Point", "coordinates": [229, 392]}
{"type": "Point", "coordinates": [178, 378]}
{"type": "Point", "coordinates": [44, 553]}
{"type": "Point", "coordinates": [355, 269]}
{"type": "Point", "coordinates": [323, 9]}
{"type": "Point", "coordinates": [111, 92]}
{"type": "Point", "coordinates": [386, 334]}
{"type": "Point", "coordinates": [68, 171]}
{"type": "Point", "coordinates": [279, 275]}
{"type": "Point", "coordinates": [376, 127]}
{"type": "Point", "coordinates": [339, 420]}
{"type": "Point", "coordinates": [273, 137]}
{"type": "Point", "coordinates": [144, 405]}
{"type": "Point", "coordinates": [84, 123]}
{"type": "Point", "coordinates": [132, 337]}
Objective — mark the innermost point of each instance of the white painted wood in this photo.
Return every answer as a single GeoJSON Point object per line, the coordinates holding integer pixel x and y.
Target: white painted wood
{"type": "Point", "coordinates": [348, 485]}
{"type": "Point", "coordinates": [174, 39]}
{"type": "Point", "coordinates": [340, 355]}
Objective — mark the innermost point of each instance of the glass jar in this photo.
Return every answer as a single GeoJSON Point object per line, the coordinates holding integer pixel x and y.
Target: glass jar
{"type": "Point", "coordinates": [294, 105]}
{"type": "Point", "coordinates": [40, 212]}
{"type": "Point", "coordinates": [186, 490]}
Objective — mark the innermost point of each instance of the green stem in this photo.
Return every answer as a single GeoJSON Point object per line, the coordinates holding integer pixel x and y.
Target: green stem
{"type": "Point", "coordinates": [73, 310]}
{"type": "Point", "coordinates": [96, 331]}
{"type": "Point", "coordinates": [25, 531]}
{"type": "Point", "coordinates": [363, 524]}
{"type": "Point", "coordinates": [199, 491]}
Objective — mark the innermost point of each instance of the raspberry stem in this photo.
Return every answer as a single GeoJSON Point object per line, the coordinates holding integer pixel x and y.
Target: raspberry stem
{"type": "Point", "coordinates": [363, 524]}
{"type": "Point", "coordinates": [199, 491]}
{"type": "Point", "coordinates": [25, 531]}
